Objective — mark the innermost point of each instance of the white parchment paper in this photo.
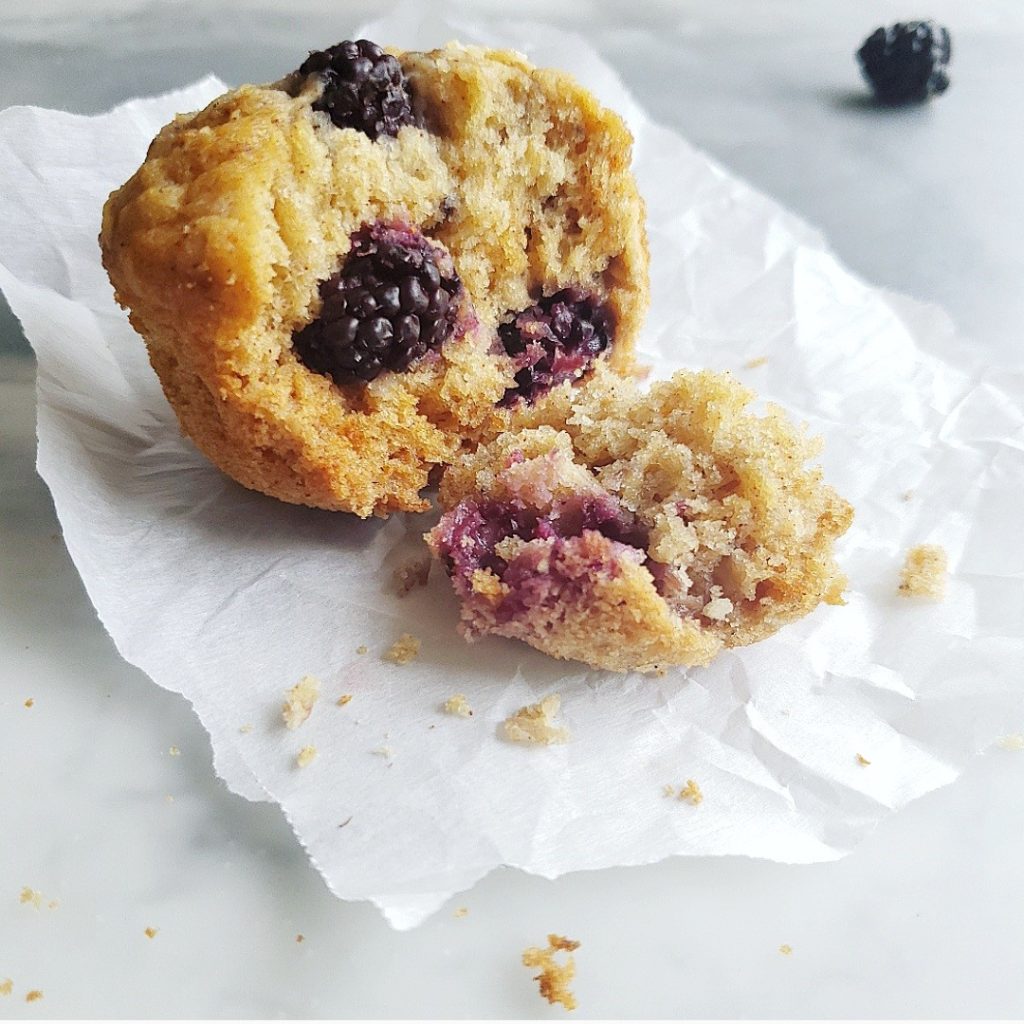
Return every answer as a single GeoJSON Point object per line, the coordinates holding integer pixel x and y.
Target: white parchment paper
{"type": "Point", "coordinates": [228, 597]}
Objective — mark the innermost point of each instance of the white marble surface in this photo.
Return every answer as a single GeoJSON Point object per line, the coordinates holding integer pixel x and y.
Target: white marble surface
{"type": "Point", "coordinates": [925, 919]}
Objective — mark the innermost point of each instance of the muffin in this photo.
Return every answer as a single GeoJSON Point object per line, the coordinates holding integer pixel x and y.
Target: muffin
{"type": "Point", "coordinates": [636, 531]}
{"type": "Point", "coordinates": [347, 277]}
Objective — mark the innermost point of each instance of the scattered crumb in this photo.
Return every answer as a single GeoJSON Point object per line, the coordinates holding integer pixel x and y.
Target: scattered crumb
{"type": "Point", "coordinates": [906, 495]}
{"type": "Point", "coordinates": [785, 949]}
{"type": "Point", "coordinates": [345, 822]}
{"type": "Point", "coordinates": [30, 702]}
{"type": "Point", "coordinates": [300, 937]}
{"type": "Point", "coordinates": [169, 799]}
{"type": "Point", "coordinates": [1012, 742]}
{"type": "Point", "coordinates": [31, 896]}
{"type": "Point", "coordinates": [691, 793]}
{"type": "Point", "coordinates": [344, 699]}
{"type": "Point", "coordinates": [174, 752]}
{"type": "Point", "coordinates": [460, 912]}
{"type": "Point", "coordinates": [457, 705]}
{"type": "Point", "coordinates": [53, 905]}
{"type": "Point", "coordinates": [362, 649]}
{"type": "Point", "coordinates": [151, 933]}
{"type": "Point", "coordinates": [642, 371]}
{"type": "Point", "coordinates": [403, 650]}
{"type": "Point", "coordinates": [6, 987]}
{"type": "Point", "coordinates": [305, 756]}
{"type": "Point", "coordinates": [554, 978]}
{"type": "Point", "coordinates": [299, 701]}
{"type": "Point", "coordinates": [382, 752]}
{"type": "Point", "coordinates": [668, 789]}
{"type": "Point", "coordinates": [412, 575]}
{"type": "Point", "coordinates": [31, 997]}
{"type": "Point", "coordinates": [535, 723]}
{"type": "Point", "coordinates": [924, 572]}
{"type": "Point", "coordinates": [245, 728]}
{"type": "Point", "coordinates": [753, 364]}
{"type": "Point", "coordinates": [660, 672]}
{"type": "Point", "coordinates": [718, 609]}
{"type": "Point", "coordinates": [862, 760]}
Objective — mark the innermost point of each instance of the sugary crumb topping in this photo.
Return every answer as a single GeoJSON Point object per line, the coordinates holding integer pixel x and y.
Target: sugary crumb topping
{"type": "Point", "coordinates": [535, 723]}
{"type": "Point", "coordinates": [306, 756]}
{"type": "Point", "coordinates": [457, 705]}
{"type": "Point", "coordinates": [405, 649]}
{"type": "Point", "coordinates": [924, 572]}
{"type": "Point", "coordinates": [554, 978]}
{"type": "Point", "coordinates": [299, 701]}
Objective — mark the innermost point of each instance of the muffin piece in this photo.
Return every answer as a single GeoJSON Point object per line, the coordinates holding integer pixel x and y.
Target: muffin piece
{"type": "Point", "coordinates": [347, 276]}
{"type": "Point", "coordinates": [635, 531]}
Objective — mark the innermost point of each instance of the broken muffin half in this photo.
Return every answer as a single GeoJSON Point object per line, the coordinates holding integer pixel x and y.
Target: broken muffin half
{"type": "Point", "coordinates": [633, 531]}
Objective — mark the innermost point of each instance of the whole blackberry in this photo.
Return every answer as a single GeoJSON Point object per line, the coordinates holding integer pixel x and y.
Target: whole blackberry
{"type": "Point", "coordinates": [906, 62]}
{"type": "Point", "coordinates": [392, 300]}
{"type": "Point", "coordinates": [555, 340]}
{"type": "Point", "coordinates": [364, 87]}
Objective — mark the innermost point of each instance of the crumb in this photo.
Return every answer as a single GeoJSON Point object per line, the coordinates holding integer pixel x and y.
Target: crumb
{"type": "Point", "coordinates": [299, 701]}
{"type": "Point", "coordinates": [691, 793]}
{"type": "Point", "coordinates": [362, 649]}
{"type": "Point", "coordinates": [924, 572]}
{"type": "Point", "coordinates": [668, 789]}
{"type": "Point", "coordinates": [300, 937]}
{"type": "Point", "coordinates": [862, 760]}
{"type": "Point", "coordinates": [30, 702]}
{"type": "Point", "coordinates": [33, 896]}
{"type": "Point", "coordinates": [660, 672]}
{"type": "Point", "coordinates": [642, 371]}
{"type": "Point", "coordinates": [1012, 742]}
{"type": "Point", "coordinates": [344, 699]}
{"type": "Point", "coordinates": [457, 705]}
{"type": "Point", "coordinates": [554, 978]}
{"type": "Point", "coordinates": [534, 723]}
{"type": "Point", "coordinates": [345, 822]}
{"type": "Point", "coordinates": [169, 799]}
{"type": "Point", "coordinates": [382, 752]}
{"type": "Point", "coordinates": [403, 650]}
{"type": "Point", "coordinates": [305, 756]}
{"type": "Point", "coordinates": [245, 728]}
{"type": "Point", "coordinates": [412, 575]}
{"type": "Point", "coordinates": [906, 495]}
{"type": "Point", "coordinates": [785, 949]}
{"type": "Point", "coordinates": [753, 364]}
{"type": "Point", "coordinates": [174, 752]}
{"type": "Point", "coordinates": [718, 609]}
{"type": "Point", "coordinates": [151, 933]}
{"type": "Point", "coordinates": [460, 912]}
{"type": "Point", "coordinates": [31, 997]}
{"type": "Point", "coordinates": [6, 987]}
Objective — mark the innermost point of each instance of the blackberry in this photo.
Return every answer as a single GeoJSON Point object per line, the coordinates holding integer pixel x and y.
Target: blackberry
{"type": "Point", "coordinates": [555, 340]}
{"type": "Point", "coordinates": [906, 62]}
{"type": "Point", "coordinates": [392, 300]}
{"type": "Point", "coordinates": [364, 87]}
